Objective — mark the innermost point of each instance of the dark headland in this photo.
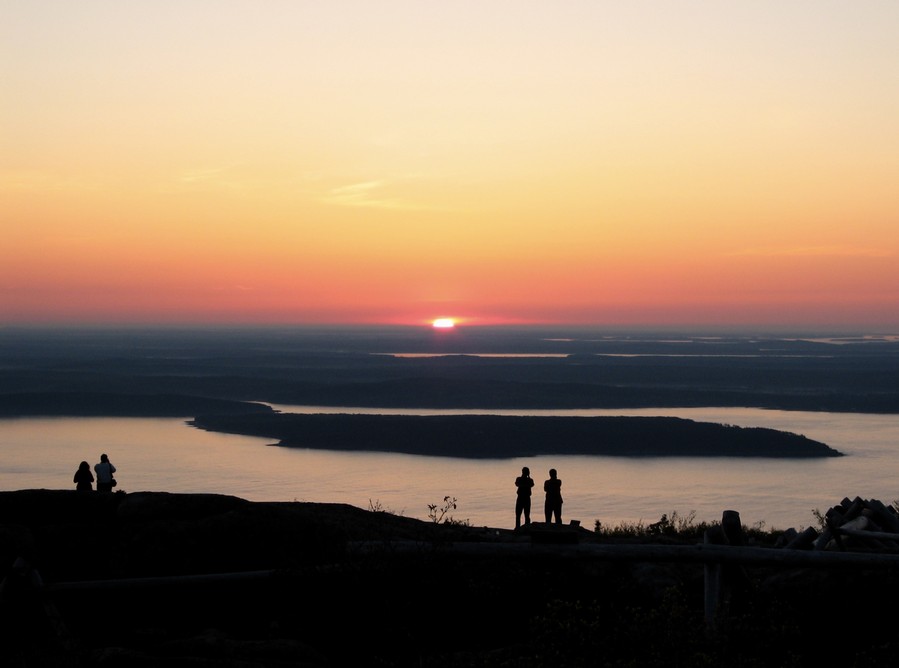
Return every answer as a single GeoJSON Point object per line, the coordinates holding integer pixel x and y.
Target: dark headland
{"type": "Point", "coordinates": [493, 436]}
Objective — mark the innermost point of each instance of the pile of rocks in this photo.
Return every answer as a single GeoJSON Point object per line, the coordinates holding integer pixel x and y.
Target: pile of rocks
{"type": "Point", "coordinates": [857, 525]}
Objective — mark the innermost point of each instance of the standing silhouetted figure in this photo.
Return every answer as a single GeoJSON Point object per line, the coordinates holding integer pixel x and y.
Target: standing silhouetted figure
{"type": "Point", "coordinates": [524, 483]}
{"type": "Point", "coordinates": [104, 470]}
{"type": "Point", "coordinates": [84, 479]}
{"type": "Point", "coordinates": [553, 489]}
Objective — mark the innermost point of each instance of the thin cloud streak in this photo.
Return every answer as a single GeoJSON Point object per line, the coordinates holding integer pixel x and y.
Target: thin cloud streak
{"type": "Point", "coordinates": [370, 194]}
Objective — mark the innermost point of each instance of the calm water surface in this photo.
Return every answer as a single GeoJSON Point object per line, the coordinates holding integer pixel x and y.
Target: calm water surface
{"type": "Point", "coordinates": [169, 455]}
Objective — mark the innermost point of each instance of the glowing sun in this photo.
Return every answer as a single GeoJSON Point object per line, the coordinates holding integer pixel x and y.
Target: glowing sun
{"type": "Point", "coordinates": [443, 323]}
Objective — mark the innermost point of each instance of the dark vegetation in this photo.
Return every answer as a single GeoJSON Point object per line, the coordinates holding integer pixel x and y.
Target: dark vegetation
{"type": "Point", "coordinates": [302, 584]}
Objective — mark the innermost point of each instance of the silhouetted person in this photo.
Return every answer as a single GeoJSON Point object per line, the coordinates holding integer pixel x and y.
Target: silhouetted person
{"type": "Point", "coordinates": [524, 483]}
{"type": "Point", "coordinates": [84, 479]}
{"type": "Point", "coordinates": [553, 489]}
{"type": "Point", "coordinates": [104, 471]}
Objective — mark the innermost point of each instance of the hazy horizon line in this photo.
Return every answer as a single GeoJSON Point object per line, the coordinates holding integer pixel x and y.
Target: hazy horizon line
{"type": "Point", "coordinates": [698, 329]}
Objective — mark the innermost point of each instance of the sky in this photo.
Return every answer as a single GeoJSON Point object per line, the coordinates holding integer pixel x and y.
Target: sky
{"type": "Point", "coordinates": [593, 163]}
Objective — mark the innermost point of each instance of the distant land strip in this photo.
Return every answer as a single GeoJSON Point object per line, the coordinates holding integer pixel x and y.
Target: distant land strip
{"type": "Point", "coordinates": [445, 392]}
{"type": "Point", "coordinates": [111, 404]}
{"type": "Point", "coordinates": [500, 437]}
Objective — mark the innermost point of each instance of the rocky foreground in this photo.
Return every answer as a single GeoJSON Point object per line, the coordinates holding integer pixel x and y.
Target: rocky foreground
{"type": "Point", "coordinates": [158, 579]}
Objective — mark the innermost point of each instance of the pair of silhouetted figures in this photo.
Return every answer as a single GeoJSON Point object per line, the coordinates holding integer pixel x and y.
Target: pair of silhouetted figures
{"type": "Point", "coordinates": [84, 479]}
{"type": "Point", "coordinates": [552, 507]}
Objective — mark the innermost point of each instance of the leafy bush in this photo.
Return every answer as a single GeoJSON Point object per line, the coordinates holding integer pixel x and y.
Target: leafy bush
{"type": "Point", "coordinates": [441, 513]}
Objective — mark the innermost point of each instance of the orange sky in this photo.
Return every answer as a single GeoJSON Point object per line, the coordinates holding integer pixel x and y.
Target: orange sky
{"type": "Point", "coordinates": [648, 163]}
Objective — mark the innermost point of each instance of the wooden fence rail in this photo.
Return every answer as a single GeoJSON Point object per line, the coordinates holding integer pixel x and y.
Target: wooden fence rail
{"type": "Point", "coordinates": [711, 556]}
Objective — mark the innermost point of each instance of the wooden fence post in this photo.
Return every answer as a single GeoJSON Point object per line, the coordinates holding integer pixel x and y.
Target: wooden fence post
{"type": "Point", "coordinates": [721, 579]}
{"type": "Point", "coordinates": [712, 580]}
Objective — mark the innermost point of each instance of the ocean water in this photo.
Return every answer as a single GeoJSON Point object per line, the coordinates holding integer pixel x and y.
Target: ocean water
{"type": "Point", "coordinates": [166, 454]}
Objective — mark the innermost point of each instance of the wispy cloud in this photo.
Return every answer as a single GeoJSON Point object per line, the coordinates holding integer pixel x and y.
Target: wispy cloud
{"type": "Point", "coordinates": [366, 194]}
{"type": "Point", "coordinates": [356, 189]}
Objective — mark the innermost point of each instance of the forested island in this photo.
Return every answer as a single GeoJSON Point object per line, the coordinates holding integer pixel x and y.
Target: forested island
{"type": "Point", "coordinates": [501, 436]}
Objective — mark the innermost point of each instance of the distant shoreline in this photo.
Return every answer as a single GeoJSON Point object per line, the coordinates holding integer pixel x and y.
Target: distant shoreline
{"type": "Point", "coordinates": [103, 404]}
{"type": "Point", "coordinates": [108, 404]}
